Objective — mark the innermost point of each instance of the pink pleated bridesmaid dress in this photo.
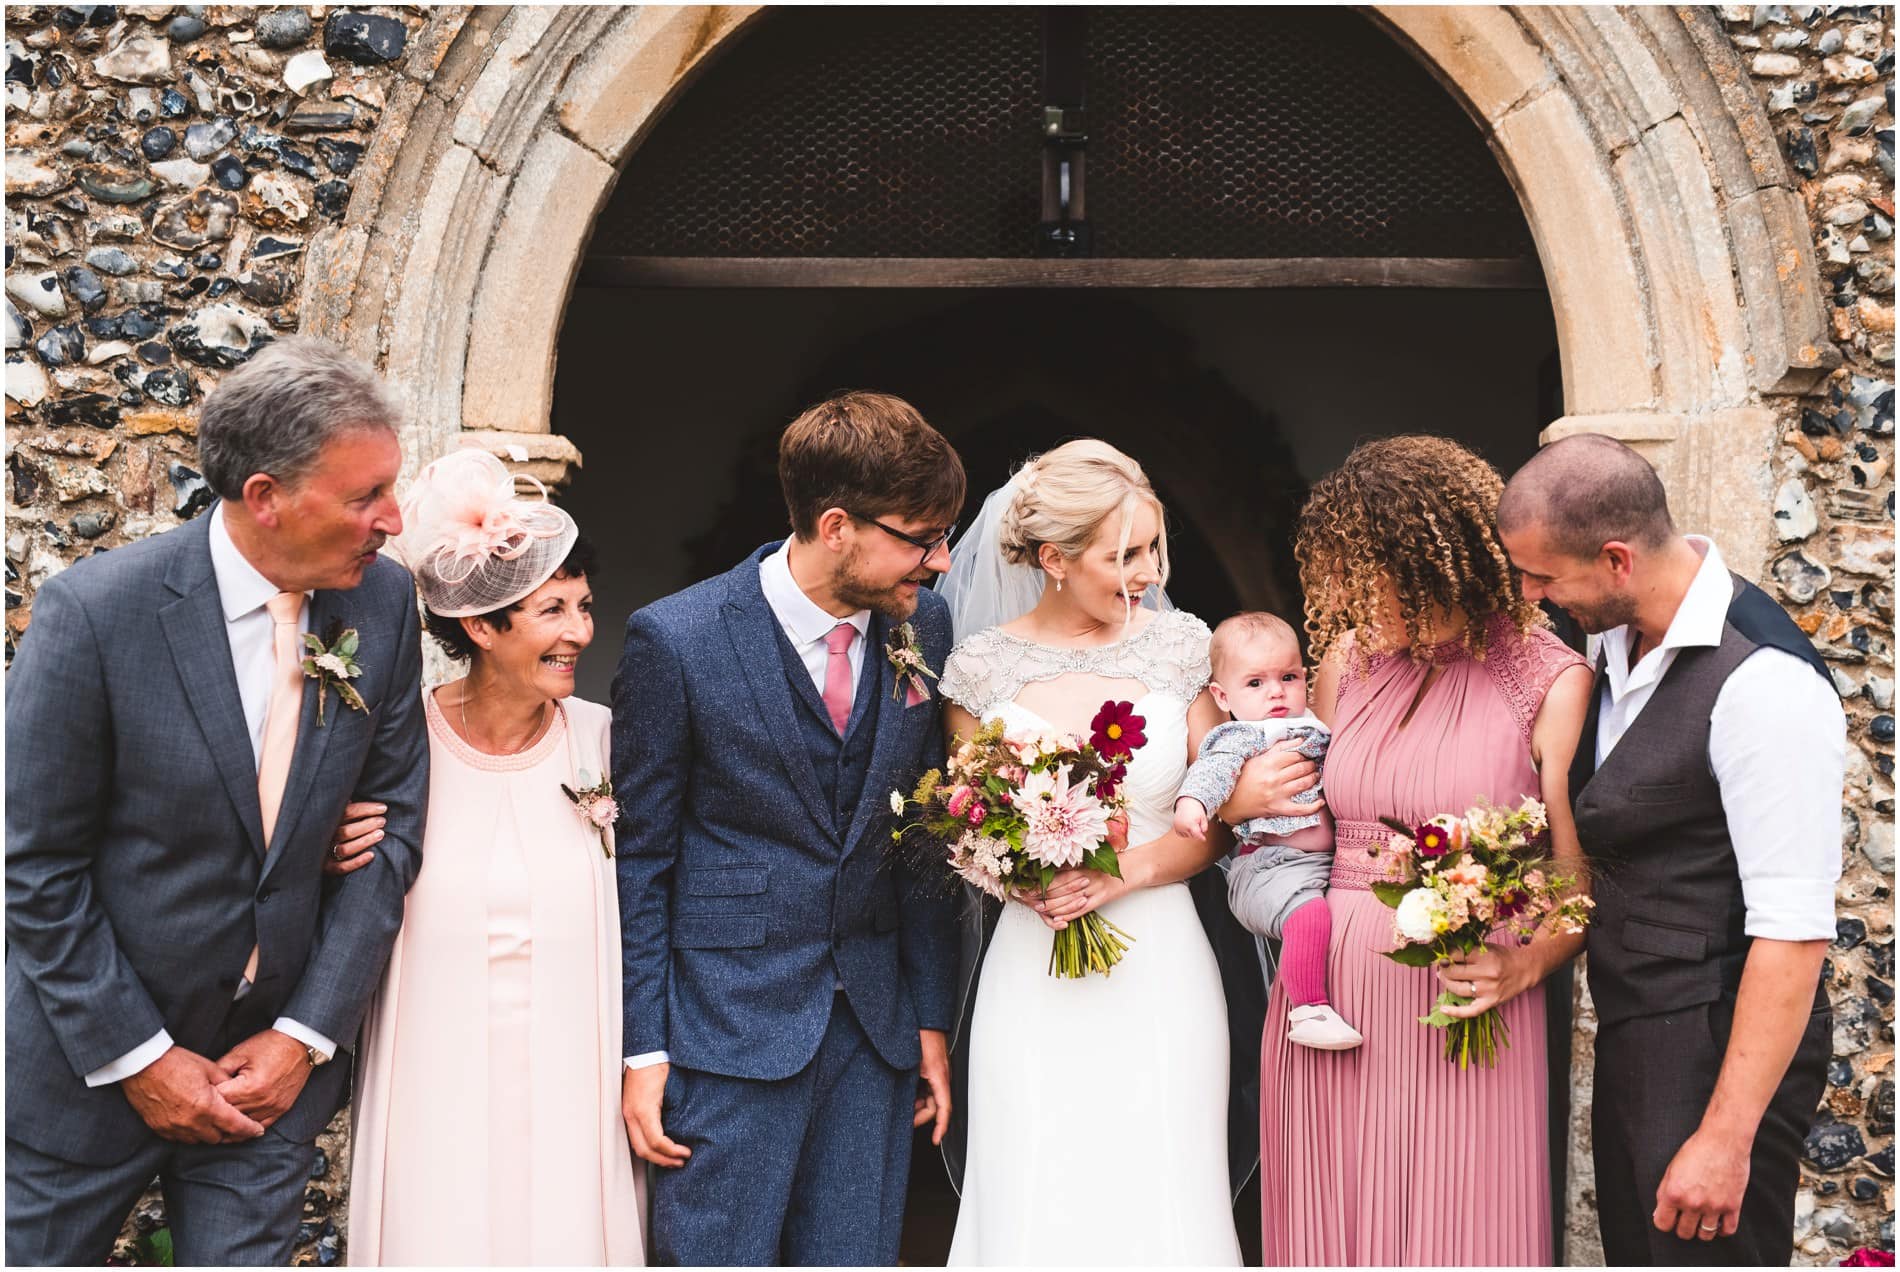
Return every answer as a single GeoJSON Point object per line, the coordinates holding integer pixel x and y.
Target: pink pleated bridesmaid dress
{"type": "Point", "coordinates": [1390, 1154]}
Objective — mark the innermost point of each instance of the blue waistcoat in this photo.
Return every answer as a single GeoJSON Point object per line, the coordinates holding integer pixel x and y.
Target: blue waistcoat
{"type": "Point", "coordinates": [840, 762]}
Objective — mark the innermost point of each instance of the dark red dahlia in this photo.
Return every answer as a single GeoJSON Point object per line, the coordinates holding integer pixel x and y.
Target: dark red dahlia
{"type": "Point", "coordinates": [1432, 840]}
{"type": "Point", "coordinates": [1116, 731]}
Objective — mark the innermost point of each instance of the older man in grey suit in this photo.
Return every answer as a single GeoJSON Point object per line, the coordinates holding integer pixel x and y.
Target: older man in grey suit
{"type": "Point", "coordinates": [179, 975]}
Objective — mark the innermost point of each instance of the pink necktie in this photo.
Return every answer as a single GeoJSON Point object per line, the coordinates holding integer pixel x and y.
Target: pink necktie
{"type": "Point", "coordinates": [838, 674]}
{"type": "Point", "coordinates": [280, 721]}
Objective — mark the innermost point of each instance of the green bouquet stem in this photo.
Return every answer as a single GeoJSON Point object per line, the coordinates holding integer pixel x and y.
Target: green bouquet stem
{"type": "Point", "coordinates": [1089, 944]}
{"type": "Point", "coordinates": [1474, 1041]}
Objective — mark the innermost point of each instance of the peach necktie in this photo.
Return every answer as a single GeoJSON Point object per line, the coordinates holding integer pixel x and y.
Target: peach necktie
{"type": "Point", "coordinates": [280, 720]}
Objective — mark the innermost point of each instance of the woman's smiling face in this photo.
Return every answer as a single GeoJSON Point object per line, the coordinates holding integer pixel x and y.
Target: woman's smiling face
{"type": "Point", "coordinates": [546, 632]}
{"type": "Point", "coordinates": [1108, 579]}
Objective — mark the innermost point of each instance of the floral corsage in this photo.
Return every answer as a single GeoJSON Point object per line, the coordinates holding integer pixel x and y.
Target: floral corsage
{"type": "Point", "coordinates": [596, 806]}
{"type": "Point", "coordinates": [332, 664]}
{"type": "Point", "coordinates": [907, 659]}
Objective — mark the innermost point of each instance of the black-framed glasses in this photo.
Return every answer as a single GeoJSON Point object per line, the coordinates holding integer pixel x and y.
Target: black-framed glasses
{"type": "Point", "coordinates": [925, 546]}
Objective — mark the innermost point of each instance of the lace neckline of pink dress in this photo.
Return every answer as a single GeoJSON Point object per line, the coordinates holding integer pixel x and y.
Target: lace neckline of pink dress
{"type": "Point", "coordinates": [553, 737]}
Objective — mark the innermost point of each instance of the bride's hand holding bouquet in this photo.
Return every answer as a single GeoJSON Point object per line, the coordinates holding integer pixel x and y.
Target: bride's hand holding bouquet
{"type": "Point", "coordinates": [1077, 891]}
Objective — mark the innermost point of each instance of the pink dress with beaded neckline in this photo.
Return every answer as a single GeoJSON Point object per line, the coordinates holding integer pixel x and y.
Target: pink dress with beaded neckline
{"type": "Point", "coordinates": [1389, 1154]}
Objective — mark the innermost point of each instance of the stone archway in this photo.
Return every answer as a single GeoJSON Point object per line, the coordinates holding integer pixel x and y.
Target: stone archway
{"type": "Point", "coordinates": [1672, 237]}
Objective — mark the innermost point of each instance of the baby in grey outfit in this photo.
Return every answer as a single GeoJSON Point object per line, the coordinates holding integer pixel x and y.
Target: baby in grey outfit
{"type": "Point", "coordinates": [1276, 885]}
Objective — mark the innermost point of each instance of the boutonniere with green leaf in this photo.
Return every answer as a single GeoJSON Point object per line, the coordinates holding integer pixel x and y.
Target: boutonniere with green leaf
{"type": "Point", "coordinates": [332, 664]}
{"type": "Point", "coordinates": [596, 806]}
{"type": "Point", "coordinates": [907, 659]}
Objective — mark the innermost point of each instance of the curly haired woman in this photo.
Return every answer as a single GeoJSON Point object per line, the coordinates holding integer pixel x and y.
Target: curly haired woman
{"type": "Point", "coordinates": [1442, 687]}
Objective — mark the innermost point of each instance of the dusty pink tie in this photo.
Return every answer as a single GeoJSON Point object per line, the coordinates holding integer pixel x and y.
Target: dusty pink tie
{"type": "Point", "coordinates": [838, 674]}
{"type": "Point", "coordinates": [280, 721]}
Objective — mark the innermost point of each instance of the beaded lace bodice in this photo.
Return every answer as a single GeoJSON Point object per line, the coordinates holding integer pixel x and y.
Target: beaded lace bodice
{"type": "Point", "coordinates": [990, 667]}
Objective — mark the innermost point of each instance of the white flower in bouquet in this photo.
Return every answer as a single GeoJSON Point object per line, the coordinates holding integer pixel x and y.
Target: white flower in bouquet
{"type": "Point", "coordinates": [981, 863]}
{"type": "Point", "coordinates": [1065, 822]}
{"type": "Point", "coordinates": [1419, 912]}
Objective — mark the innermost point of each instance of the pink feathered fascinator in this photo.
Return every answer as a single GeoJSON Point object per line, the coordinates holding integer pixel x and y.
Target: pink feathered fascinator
{"type": "Point", "coordinates": [473, 543]}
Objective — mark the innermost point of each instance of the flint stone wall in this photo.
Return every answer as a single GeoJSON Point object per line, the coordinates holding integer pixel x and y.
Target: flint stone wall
{"type": "Point", "coordinates": [178, 175]}
{"type": "Point", "coordinates": [1825, 75]}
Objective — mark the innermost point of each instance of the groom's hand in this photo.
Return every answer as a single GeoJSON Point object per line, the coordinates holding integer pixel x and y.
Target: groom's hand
{"type": "Point", "coordinates": [642, 1091]}
{"type": "Point", "coordinates": [933, 1072]}
{"type": "Point", "coordinates": [177, 1096]}
{"type": "Point", "coordinates": [268, 1071]}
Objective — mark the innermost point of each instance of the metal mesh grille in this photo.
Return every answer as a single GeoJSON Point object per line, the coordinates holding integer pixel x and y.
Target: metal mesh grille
{"type": "Point", "coordinates": [1234, 132]}
{"type": "Point", "coordinates": [1269, 131]}
{"type": "Point", "coordinates": [846, 132]}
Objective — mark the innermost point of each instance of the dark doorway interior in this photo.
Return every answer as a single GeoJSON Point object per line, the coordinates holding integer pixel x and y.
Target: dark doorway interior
{"type": "Point", "coordinates": [1233, 400]}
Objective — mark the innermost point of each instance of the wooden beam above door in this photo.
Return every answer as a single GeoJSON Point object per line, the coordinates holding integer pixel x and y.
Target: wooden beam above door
{"type": "Point", "coordinates": [1519, 274]}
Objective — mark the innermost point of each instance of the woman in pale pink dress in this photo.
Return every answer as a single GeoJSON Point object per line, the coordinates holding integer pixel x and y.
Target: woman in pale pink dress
{"type": "Point", "coordinates": [487, 1123]}
{"type": "Point", "coordinates": [1442, 688]}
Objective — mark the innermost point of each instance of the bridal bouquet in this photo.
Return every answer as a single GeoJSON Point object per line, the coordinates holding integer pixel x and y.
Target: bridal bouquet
{"type": "Point", "coordinates": [1012, 809]}
{"type": "Point", "coordinates": [1457, 880]}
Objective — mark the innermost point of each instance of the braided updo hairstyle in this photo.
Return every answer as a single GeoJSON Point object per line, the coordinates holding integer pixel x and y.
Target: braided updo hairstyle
{"type": "Point", "coordinates": [1418, 511]}
{"type": "Point", "coordinates": [1065, 496]}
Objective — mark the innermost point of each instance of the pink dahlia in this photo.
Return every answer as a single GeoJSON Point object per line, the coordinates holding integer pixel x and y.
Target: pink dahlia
{"type": "Point", "coordinates": [1066, 823]}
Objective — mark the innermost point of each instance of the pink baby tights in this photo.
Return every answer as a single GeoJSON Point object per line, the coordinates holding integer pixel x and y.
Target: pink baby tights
{"type": "Point", "coordinates": [1303, 941]}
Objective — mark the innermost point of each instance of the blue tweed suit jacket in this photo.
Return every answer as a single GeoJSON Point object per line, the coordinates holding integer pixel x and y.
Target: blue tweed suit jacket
{"type": "Point", "coordinates": [744, 902]}
{"type": "Point", "coordinates": [137, 878]}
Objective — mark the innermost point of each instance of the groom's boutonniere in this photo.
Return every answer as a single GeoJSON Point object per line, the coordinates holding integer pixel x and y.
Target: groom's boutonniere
{"type": "Point", "coordinates": [332, 664]}
{"type": "Point", "coordinates": [596, 806]}
{"type": "Point", "coordinates": [908, 661]}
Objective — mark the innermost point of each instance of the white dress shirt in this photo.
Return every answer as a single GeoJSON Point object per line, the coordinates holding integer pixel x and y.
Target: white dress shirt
{"type": "Point", "coordinates": [242, 592]}
{"type": "Point", "coordinates": [806, 624]}
{"type": "Point", "coordinates": [1777, 748]}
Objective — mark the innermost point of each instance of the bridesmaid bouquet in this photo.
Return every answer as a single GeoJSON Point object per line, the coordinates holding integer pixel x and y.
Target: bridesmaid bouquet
{"type": "Point", "coordinates": [1457, 880]}
{"type": "Point", "coordinates": [1012, 809]}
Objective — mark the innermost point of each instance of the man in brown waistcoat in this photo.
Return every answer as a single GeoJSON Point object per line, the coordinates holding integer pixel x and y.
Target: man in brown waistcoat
{"type": "Point", "coordinates": [1707, 788]}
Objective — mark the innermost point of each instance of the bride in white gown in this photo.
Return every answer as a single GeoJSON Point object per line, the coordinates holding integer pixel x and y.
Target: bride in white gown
{"type": "Point", "coordinates": [1097, 1108]}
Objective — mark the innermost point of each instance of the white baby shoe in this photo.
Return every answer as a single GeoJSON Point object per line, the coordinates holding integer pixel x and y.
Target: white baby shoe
{"type": "Point", "coordinates": [1320, 1028]}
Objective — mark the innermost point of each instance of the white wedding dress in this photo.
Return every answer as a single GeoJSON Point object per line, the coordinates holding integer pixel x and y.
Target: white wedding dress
{"type": "Point", "coordinates": [1098, 1107]}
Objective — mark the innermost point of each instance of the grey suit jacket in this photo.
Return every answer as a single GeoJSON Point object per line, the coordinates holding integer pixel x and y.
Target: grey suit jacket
{"type": "Point", "coordinates": [137, 879]}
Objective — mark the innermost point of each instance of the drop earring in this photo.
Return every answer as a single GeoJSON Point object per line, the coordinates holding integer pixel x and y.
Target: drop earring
{"type": "Point", "coordinates": [1058, 585]}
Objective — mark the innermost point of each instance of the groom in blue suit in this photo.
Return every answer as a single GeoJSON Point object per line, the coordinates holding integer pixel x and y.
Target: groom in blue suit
{"type": "Point", "coordinates": [789, 980]}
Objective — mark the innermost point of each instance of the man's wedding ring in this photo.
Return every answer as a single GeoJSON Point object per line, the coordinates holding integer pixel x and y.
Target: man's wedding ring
{"type": "Point", "coordinates": [336, 850]}
{"type": "Point", "coordinates": [1708, 1227]}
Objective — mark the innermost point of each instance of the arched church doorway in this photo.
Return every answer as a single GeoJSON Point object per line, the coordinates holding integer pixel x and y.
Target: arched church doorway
{"type": "Point", "coordinates": [1232, 242]}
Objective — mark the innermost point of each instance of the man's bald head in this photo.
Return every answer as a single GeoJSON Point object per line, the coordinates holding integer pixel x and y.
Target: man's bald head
{"type": "Point", "coordinates": [1585, 491]}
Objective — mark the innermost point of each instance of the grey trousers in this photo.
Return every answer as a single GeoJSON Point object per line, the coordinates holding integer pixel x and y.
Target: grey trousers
{"type": "Point", "coordinates": [1268, 884]}
{"type": "Point", "coordinates": [227, 1204]}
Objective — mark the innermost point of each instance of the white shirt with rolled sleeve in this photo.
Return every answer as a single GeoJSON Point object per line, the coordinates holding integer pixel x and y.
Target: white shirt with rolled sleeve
{"type": "Point", "coordinates": [242, 592]}
{"type": "Point", "coordinates": [1777, 748]}
{"type": "Point", "coordinates": [806, 624]}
